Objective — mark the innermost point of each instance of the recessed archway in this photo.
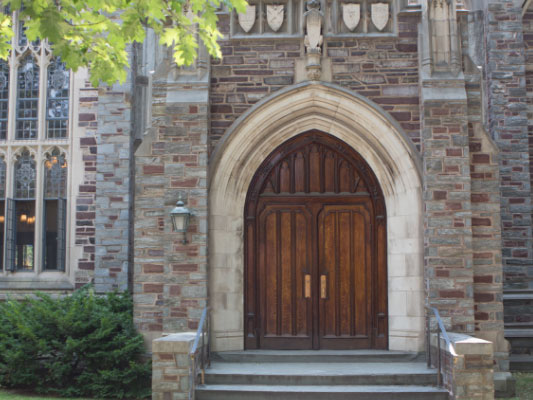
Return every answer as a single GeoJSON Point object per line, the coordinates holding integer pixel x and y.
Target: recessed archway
{"type": "Point", "coordinates": [377, 138]}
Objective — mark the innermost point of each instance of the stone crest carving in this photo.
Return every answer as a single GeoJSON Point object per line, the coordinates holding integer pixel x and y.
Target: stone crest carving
{"type": "Point", "coordinates": [313, 18]}
{"type": "Point", "coordinates": [247, 19]}
{"type": "Point", "coordinates": [351, 15]}
{"type": "Point", "coordinates": [275, 16]}
{"type": "Point", "coordinates": [380, 15]}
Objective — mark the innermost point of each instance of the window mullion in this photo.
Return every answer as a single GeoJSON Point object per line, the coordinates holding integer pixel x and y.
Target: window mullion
{"type": "Point", "coordinates": [43, 78]}
{"type": "Point", "coordinates": [11, 117]}
{"type": "Point", "coordinates": [39, 223]}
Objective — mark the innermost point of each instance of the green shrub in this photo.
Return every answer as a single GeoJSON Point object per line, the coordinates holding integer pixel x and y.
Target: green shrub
{"type": "Point", "coordinates": [78, 345]}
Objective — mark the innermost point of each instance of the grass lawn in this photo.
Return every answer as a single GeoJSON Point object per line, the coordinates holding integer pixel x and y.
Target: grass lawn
{"type": "Point", "coordinates": [524, 386]}
{"type": "Point", "coordinates": [16, 395]}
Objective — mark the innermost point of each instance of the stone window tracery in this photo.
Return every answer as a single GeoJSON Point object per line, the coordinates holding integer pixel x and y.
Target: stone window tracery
{"type": "Point", "coordinates": [34, 151]}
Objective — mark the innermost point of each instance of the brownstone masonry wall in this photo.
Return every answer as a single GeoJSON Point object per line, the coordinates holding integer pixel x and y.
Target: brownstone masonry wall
{"type": "Point", "coordinates": [384, 70]}
{"type": "Point", "coordinates": [170, 279]}
{"type": "Point", "coordinates": [508, 124]}
{"type": "Point", "coordinates": [85, 201]}
{"type": "Point", "coordinates": [448, 232]}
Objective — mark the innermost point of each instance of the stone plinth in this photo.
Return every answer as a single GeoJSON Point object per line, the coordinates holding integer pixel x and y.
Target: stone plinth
{"type": "Point", "coordinates": [467, 367]}
{"type": "Point", "coordinates": [170, 366]}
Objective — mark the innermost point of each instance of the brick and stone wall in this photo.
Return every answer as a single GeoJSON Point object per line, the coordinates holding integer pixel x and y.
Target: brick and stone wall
{"type": "Point", "coordinates": [170, 280]}
{"type": "Point", "coordinates": [171, 367]}
{"type": "Point", "coordinates": [85, 200]}
{"type": "Point", "coordinates": [448, 219]}
{"type": "Point", "coordinates": [384, 70]}
{"type": "Point", "coordinates": [467, 366]}
{"type": "Point", "coordinates": [112, 200]}
{"type": "Point", "coordinates": [508, 125]}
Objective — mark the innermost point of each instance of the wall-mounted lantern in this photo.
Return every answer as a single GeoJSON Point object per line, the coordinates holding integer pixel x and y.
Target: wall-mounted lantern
{"type": "Point", "coordinates": [181, 216]}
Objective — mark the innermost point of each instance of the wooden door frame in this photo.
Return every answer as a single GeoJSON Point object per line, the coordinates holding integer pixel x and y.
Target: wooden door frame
{"type": "Point", "coordinates": [380, 290]}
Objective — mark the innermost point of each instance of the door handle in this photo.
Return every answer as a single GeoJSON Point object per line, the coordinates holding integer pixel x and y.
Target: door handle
{"type": "Point", "coordinates": [307, 286]}
{"type": "Point", "coordinates": [323, 286]}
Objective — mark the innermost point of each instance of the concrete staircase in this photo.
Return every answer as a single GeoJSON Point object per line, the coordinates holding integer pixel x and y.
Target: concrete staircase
{"type": "Point", "coordinates": [319, 375]}
{"type": "Point", "coordinates": [518, 305]}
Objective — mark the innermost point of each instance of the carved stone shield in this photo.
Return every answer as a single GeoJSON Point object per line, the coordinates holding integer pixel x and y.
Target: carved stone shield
{"type": "Point", "coordinates": [247, 19]}
{"type": "Point", "coordinates": [380, 15]}
{"type": "Point", "coordinates": [351, 15]}
{"type": "Point", "coordinates": [275, 15]}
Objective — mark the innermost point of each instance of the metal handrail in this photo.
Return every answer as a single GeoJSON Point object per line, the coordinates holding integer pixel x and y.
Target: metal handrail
{"type": "Point", "coordinates": [202, 333]}
{"type": "Point", "coordinates": [449, 344]}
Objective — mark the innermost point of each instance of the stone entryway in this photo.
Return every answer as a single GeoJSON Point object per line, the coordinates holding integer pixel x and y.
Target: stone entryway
{"type": "Point", "coordinates": [316, 268]}
{"type": "Point", "coordinates": [388, 152]}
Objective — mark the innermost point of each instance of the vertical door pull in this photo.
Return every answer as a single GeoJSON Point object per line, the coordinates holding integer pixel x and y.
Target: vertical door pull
{"type": "Point", "coordinates": [307, 286]}
{"type": "Point", "coordinates": [323, 287]}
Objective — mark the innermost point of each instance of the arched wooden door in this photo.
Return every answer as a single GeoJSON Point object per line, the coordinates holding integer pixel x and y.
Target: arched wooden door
{"type": "Point", "coordinates": [315, 248]}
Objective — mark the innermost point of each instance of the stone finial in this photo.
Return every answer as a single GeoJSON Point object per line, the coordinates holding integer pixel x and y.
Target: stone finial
{"type": "Point", "coordinates": [313, 18]}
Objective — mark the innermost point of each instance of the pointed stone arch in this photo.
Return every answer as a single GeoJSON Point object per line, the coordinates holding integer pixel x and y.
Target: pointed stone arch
{"type": "Point", "coordinates": [377, 138]}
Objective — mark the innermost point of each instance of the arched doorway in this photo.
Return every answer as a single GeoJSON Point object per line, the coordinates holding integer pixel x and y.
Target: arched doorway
{"type": "Point", "coordinates": [315, 249]}
{"type": "Point", "coordinates": [394, 160]}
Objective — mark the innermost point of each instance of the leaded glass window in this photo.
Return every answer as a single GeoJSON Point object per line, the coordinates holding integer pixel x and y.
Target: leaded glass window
{"type": "Point", "coordinates": [27, 99]}
{"type": "Point", "coordinates": [33, 212]}
{"type": "Point", "coordinates": [57, 100]}
{"type": "Point", "coordinates": [25, 176]}
{"type": "Point", "coordinates": [2, 179]}
{"type": "Point", "coordinates": [55, 175]}
{"type": "Point", "coordinates": [4, 98]}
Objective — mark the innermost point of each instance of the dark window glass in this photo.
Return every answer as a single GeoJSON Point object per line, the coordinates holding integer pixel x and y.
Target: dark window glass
{"type": "Point", "coordinates": [55, 207]}
{"type": "Point", "coordinates": [24, 234]}
{"type": "Point", "coordinates": [27, 99]}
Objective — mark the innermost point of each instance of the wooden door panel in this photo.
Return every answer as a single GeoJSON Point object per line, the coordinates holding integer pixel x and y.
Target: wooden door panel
{"type": "Point", "coordinates": [344, 237]}
{"type": "Point", "coordinates": [314, 207]}
{"type": "Point", "coordinates": [284, 260]}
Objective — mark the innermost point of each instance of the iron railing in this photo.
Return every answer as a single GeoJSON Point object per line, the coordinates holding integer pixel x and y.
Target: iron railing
{"type": "Point", "coordinates": [200, 353]}
{"type": "Point", "coordinates": [440, 331]}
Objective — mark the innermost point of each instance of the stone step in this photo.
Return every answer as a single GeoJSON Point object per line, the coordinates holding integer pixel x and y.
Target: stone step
{"type": "Point", "coordinates": [344, 373]}
{"type": "Point", "coordinates": [521, 362]}
{"type": "Point", "coordinates": [318, 392]}
{"type": "Point", "coordinates": [317, 356]}
{"type": "Point", "coordinates": [519, 333]}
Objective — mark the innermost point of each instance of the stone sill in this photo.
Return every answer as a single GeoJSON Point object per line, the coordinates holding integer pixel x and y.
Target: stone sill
{"type": "Point", "coordinates": [34, 283]}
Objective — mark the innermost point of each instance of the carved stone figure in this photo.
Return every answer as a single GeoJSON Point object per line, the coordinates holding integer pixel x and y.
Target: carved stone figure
{"type": "Point", "coordinates": [380, 15]}
{"type": "Point", "coordinates": [247, 19]}
{"type": "Point", "coordinates": [351, 15]}
{"type": "Point", "coordinates": [275, 15]}
{"type": "Point", "coordinates": [313, 26]}
{"type": "Point", "coordinates": [313, 18]}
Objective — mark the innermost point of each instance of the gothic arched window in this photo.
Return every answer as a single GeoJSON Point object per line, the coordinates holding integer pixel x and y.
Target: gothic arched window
{"type": "Point", "coordinates": [20, 239]}
{"type": "Point", "coordinates": [4, 98]}
{"type": "Point", "coordinates": [27, 99]}
{"type": "Point", "coordinates": [57, 100]}
{"type": "Point", "coordinates": [54, 210]}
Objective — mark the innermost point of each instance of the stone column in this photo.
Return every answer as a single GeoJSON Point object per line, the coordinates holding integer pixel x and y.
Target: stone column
{"type": "Point", "coordinates": [112, 208]}
{"type": "Point", "coordinates": [447, 186]}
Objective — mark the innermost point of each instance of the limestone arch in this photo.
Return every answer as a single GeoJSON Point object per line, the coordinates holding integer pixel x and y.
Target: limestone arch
{"type": "Point", "coordinates": [372, 133]}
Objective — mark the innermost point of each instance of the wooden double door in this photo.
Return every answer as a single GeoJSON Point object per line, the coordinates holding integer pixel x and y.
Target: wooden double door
{"type": "Point", "coordinates": [315, 250]}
